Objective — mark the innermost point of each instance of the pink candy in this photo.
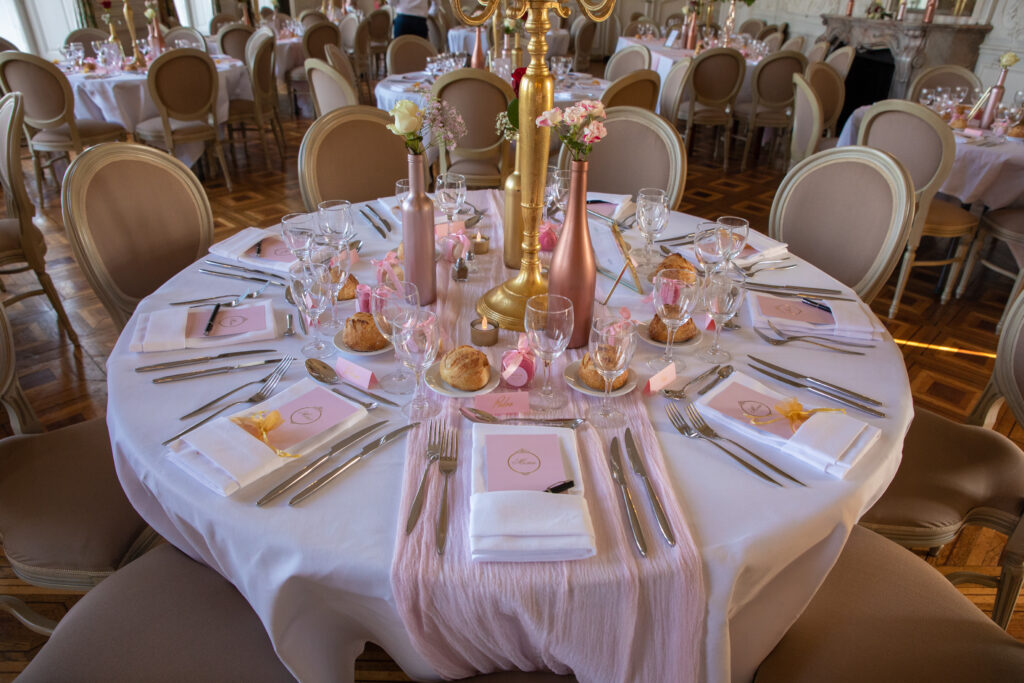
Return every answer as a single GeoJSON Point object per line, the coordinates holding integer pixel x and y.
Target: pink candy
{"type": "Point", "coordinates": [363, 298]}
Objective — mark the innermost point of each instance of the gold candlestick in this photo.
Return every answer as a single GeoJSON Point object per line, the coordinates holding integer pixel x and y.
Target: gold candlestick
{"type": "Point", "coordinates": [129, 20]}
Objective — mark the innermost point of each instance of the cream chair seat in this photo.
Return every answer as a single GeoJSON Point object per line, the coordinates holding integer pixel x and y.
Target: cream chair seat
{"type": "Point", "coordinates": [771, 106]}
{"type": "Point", "coordinates": [330, 90]}
{"type": "Point", "coordinates": [714, 79]}
{"type": "Point", "coordinates": [626, 61]}
{"type": "Point", "coordinates": [817, 52]}
{"type": "Point", "coordinates": [636, 89]}
{"type": "Point", "coordinates": [314, 42]}
{"type": "Point", "coordinates": [1005, 225]}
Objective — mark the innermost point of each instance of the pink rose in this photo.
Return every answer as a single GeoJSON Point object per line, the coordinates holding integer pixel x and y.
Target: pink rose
{"type": "Point", "coordinates": [575, 115]}
{"type": "Point", "coordinates": [594, 132]}
{"type": "Point", "coordinates": [552, 117]}
{"type": "Point", "coordinates": [594, 107]}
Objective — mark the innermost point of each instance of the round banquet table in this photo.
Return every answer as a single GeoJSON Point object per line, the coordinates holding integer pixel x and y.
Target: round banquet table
{"type": "Point", "coordinates": [463, 38]}
{"type": "Point", "coordinates": [318, 574]}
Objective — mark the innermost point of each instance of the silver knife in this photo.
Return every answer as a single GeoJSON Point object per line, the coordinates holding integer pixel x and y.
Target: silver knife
{"type": "Point", "coordinates": [818, 382]}
{"type": "Point", "coordinates": [305, 471]}
{"type": "Point", "coordinates": [681, 238]}
{"type": "Point", "coordinates": [383, 221]}
{"type": "Point", "coordinates": [213, 371]}
{"type": "Point", "coordinates": [375, 397]}
{"type": "Point", "coordinates": [615, 461]}
{"type": "Point", "coordinates": [814, 390]}
{"type": "Point", "coordinates": [795, 295]}
{"type": "Point", "coordinates": [333, 474]}
{"type": "Point", "coordinates": [236, 276]}
{"type": "Point", "coordinates": [641, 471]}
{"type": "Point", "coordinates": [234, 266]}
{"type": "Point", "coordinates": [798, 288]}
{"type": "Point", "coordinates": [374, 225]}
{"type": "Point", "coordinates": [201, 359]}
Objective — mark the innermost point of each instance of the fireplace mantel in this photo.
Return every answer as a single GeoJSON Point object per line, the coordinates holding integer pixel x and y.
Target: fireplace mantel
{"type": "Point", "coordinates": [913, 45]}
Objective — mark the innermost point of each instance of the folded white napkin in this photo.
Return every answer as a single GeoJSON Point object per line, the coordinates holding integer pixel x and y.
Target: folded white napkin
{"type": "Point", "coordinates": [528, 526]}
{"type": "Point", "coordinates": [831, 442]}
{"type": "Point", "coordinates": [234, 248]}
{"type": "Point", "coordinates": [624, 206]}
{"type": "Point", "coordinates": [853, 319]}
{"type": "Point", "coordinates": [767, 249]}
{"type": "Point", "coordinates": [224, 457]}
{"type": "Point", "coordinates": [164, 330]}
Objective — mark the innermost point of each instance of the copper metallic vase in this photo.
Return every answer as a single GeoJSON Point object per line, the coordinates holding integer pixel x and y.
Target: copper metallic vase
{"type": "Point", "coordinates": [690, 40]}
{"type": "Point", "coordinates": [573, 270]}
{"type": "Point", "coordinates": [477, 61]}
{"type": "Point", "coordinates": [418, 234]}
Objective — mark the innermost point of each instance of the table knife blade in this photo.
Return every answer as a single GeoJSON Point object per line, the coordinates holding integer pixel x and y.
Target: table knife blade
{"type": "Point", "coordinates": [383, 221]}
{"type": "Point", "coordinates": [633, 453]}
{"type": "Point", "coordinates": [201, 359]}
{"type": "Point", "coordinates": [236, 276]}
{"type": "Point", "coordinates": [213, 371]}
{"type": "Point", "coordinates": [615, 461]}
{"type": "Point", "coordinates": [235, 266]}
{"type": "Point", "coordinates": [383, 233]}
{"type": "Point", "coordinates": [818, 382]}
{"type": "Point", "coordinates": [814, 390]}
{"type": "Point", "coordinates": [364, 392]}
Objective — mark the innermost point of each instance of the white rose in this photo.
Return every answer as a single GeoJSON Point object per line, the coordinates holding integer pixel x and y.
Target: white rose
{"type": "Point", "coordinates": [408, 118]}
{"type": "Point", "coordinates": [1008, 59]}
{"type": "Point", "coordinates": [574, 115]}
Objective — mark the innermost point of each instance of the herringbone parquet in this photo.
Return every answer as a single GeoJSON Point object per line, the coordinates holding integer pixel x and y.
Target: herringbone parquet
{"type": "Point", "coordinates": [66, 385]}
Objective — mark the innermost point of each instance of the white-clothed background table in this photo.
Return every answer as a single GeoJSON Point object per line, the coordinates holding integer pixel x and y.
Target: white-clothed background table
{"type": "Point", "coordinates": [463, 38]}
{"type": "Point", "coordinates": [287, 53]}
{"type": "Point", "coordinates": [318, 574]}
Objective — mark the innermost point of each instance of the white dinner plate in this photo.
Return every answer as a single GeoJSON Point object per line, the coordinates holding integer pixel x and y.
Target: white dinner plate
{"type": "Point", "coordinates": [434, 381]}
{"type": "Point", "coordinates": [644, 333]}
{"type": "Point", "coordinates": [571, 375]}
{"type": "Point", "coordinates": [349, 351]}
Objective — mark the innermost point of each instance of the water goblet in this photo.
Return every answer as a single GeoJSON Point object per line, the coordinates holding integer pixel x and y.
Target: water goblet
{"type": "Point", "coordinates": [676, 294]}
{"type": "Point", "coordinates": [401, 192]}
{"type": "Point", "coordinates": [336, 265]}
{"type": "Point", "coordinates": [389, 304]}
{"type": "Point", "coordinates": [336, 221]}
{"type": "Point", "coordinates": [723, 295]}
{"type": "Point", "coordinates": [297, 231]}
{"type": "Point", "coordinates": [960, 93]}
{"type": "Point", "coordinates": [548, 322]}
{"type": "Point", "coordinates": [612, 343]}
{"type": "Point", "coordinates": [651, 216]}
{"type": "Point", "coordinates": [709, 247]}
{"type": "Point", "coordinates": [926, 97]}
{"type": "Point", "coordinates": [738, 230]}
{"type": "Point", "coordinates": [563, 181]}
{"type": "Point", "coordinates": [416, 342]}
{"type": "Point", "coordinates": [450, 191]}
{"type": "Point", "coordinates": [311, 294]}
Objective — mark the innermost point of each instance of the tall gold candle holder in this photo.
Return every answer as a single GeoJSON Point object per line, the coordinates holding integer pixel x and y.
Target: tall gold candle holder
{"type": "Point", "coordinates": [506, 303]}
{"type": "Point", "coordinates": [129, 20]}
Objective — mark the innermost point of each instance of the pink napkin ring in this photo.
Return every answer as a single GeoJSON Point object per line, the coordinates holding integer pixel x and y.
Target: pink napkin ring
{"type": "Point", "coordinates": [518, 365]}
{"type": "Point", "coordinates": [363, 298]}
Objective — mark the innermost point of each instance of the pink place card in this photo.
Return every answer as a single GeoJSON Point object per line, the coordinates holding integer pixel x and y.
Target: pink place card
{"type": "Point", "coordinates": [739, 402]}
{"type": "Point", "coordinates": [229, 321]}
{"type": "Point", "coordinates": [661, 379]}
{"type": "Point", "coordinates": [443, 227]}
{"type": "Point", "coordinates": [603, 208]}
{"type": "Point", "coordinates": [355, 373]}
{"type": "Point", "coordinates": [523, 462]}
{"type": "Point", "coordinates": [503, 402]}
{"type": "Point", "coordinates": [791, 309]}
{"type": "Point", "coordinates": [273, 249]}
{"type": "Point", "coordinates": [308, 415]}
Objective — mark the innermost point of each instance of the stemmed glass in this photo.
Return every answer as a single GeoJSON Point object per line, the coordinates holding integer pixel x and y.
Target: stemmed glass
{"type": "Point", "coordinates": [723, 294]}
{"type": "Point", "coordinates": [416, 342]}
{"type": "Point", "coordinates": [717, 244]}
{"type": "Point", "coordinates": [401, 192]}
{"type": "Point", "coordinates": [311, 293]}
{"type": "Point", "coordinates": [563, 180]}
{"type": "Point", "coordinates": [676, 293]}
{"type": "Point", "coordinates": [612, 342]}
{"type": "Point", "coordinates": [336, 264]}
{"type": "Point", "coordinates": [651, 216]}
{"type": "Point", "coordinates": [297, 231]}
{"type": "Point", "coordinates": [450, 190]}
{"type": "Point", "coordinates": [548, 322]}
{"type": "Point", "coordinates": [389, 305]}
{"type": "Point", "coordinates": [336, 221]}
{"type": "Point", "coordinates": [550, 190]}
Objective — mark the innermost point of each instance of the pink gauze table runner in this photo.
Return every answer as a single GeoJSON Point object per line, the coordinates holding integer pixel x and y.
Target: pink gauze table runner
{"type": "Point", "coordinates": [615, 616]}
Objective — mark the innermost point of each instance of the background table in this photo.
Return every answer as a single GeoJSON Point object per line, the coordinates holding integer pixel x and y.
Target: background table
{"type": "Point", "coordinates": [318, 574]}
{"type": "Point", "coordinates": [287, 54]}
{"type": "Point", "coordinates": [463, 38]}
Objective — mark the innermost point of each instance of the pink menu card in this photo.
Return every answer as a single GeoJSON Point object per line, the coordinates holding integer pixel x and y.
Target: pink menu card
{"type": "Point", "coordinates": [744, 404]}
{"type": "Point", "coordinates": [791, 309]}
{"type": "Point", "coordinates": [228, 321]}
{"type": "Point", "coordinates": [273, 249]}
{"type": "Point", "coordinates": [308, 415]}
{"type": "Point", "coordinates": [523, 462]}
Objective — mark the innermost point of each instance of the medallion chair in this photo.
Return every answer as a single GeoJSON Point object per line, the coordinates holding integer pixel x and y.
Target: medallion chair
{"type": "Point", "coordinates": [310, 17]}
{"type": "Point", "coordinates": [773, 42]}
{"type": "Point", "coordinates": [6, 45]}
{"type": "Point", "coordinates": [437, 34]}
{"type": "Point", "coordinates": [808, 123]}
{"type": "Point", "coordinates": [183, 84]}
{"type": "Point", "coordinates": [954, 474]}
{"type": "Point", "coordinates": [856, 237]}
{"type": "Point", "coordinates": [615, 167]}
{"type": "Point", "coordinates": [796, 44]}
{"type": "Point", "coordinates": [65, 522]}
{"type": "Point", "coordinates": [884, 615]}
{"type": "Point", "coordinates": [752, 27]}
{"type": "Point", "coordinates": [1003, 225]}
{"type": "Point", "coordinates": [924, 144]}
{"type": "Point", "coordinates": [231, 39]}
{"type": "Point", "coordinates": [186, 34]}
{"type": "Point", "coordinates": [220, 20]}
{"type": "Point", "coordinates": [358, 132]}
{"type": "Point", "coordinates": [21, 243]}
{"type": "Point", "coordinates": [767, 31]}
{"type": "Point", "coordinates": [713, 82]}
{"type": "Point", "coordinates": [946, 75]}
{"type": "Point", "coordinates": [379, 22]}
{"type": "Point", "coordinates": [584, 45]}
{"type": "Point", "coordinates": [831, 91]}
{"type": "Point", "coordinates": [637, 89]}
{"type": "Point", "coordinates": [483, 154]}
{"type": "Point", "coordinates": [772, 104]}
{"type": "Point", "coordinates": [51, 127]}
{"type": "Point", "coordinates": [330, 90]}
{"type": "Point", "coordinates": [362, 60]}
{"type": "Point", "coordinates": [340, 62]}
{"type": "Point", "coordinates": [640, 26]}
{"type": "Point", "coordinates": [408, 53]}
{"type": "Point", "coordinates": [314, 41]}
{"type": "Point", "coordinates": [817, 52]}
{"type": "Point", "coordinates": [671, 95]}
{"type": "Point", "coordinates": [841, 60]}
{"type": "Point", "coordinates": [262, 109]}
{"type": "Point", "coordinates": [86, 36]}
{"type": "Point", "coordinates": [135, 217]}
{"type": "Point", "coordinates": [626, 61]}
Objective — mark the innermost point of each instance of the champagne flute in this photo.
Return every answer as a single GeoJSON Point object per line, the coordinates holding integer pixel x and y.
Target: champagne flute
{"type": "Point", "coordinates": [651, 216]}
{"type": "Point", "coordinates": [450, 190]}
{"type": "Point", "coordinates": [297, 233]}
{"type": "Point", "coordinates": [389, 305]}
{"type": "Point", "coordinates": [311, 294]}
{"type": "Point", "coordinates": [548, 322]}
{"type": "Point", "coordinates": [401, 192]}
{"type": "Point", "coordinates": [723, 294]}
{"type": "Point", "coordinates": [417, 340]}
{"type": "Point", "coordinates": [676, 293]}
{"type": "Point", "coordinates": [336, 221]}
{"type": "Point", "coordinates": [612, 343]}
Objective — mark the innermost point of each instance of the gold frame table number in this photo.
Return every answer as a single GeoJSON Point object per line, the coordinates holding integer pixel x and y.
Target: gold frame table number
{"type": "Point", "coordinates": [506, 303]}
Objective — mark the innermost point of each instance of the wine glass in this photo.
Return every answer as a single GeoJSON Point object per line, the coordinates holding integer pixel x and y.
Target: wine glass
{"type": "Point", "coordinates": [723, 295]}
{"type": "Point", "coordinates": [926, 97]}
{"type": "Point", "coordinates": [550, 190]}
{"type": "Point", "coordinates": [548, 322]}
{"type": "Point", "coordinates": [563, 180]}
{"type": "Point", "coordinates": [416, 342]}
{"type": "Point", "coordinates": [401, 192]}
{"type": "Point", "coordinates": [676, 293]}
{"type": "Point", "coordinates": [311, 293]}
{"type": "Point", "coordinates": [450, 190]}
{"type": "Point", "coordinates": [336, 263]}
{"type": "Point", "coordinates": [960, 93]}
{"type": "Point", "coordinates": [336, 221]}
{"type": "Point", "coordinates": [738, 230]}
{"type": "Point", "coordinates": [612, 342]}
{"type": "Point", "coordinates": [297, 233]}
{"type": "Point", "coordinates": [708, 247]}
{"type": "Point", "coordinates": [389, 305]}
{"type": "Point", "coordinates": [145, 49]}
{"type": "Point", "coordinates": [651, 216]}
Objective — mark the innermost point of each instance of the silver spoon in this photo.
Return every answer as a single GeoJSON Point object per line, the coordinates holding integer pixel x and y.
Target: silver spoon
{"type": "Point", "coordinates": [680, 393]}
{"type": "Point", "coordinates": [723, 372]}
{"type": "Point", "coordinates": [322, 372]}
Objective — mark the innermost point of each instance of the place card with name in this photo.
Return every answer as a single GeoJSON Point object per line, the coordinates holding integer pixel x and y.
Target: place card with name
{"type": "Point", "coordinates": [355, 373]}
{"type": "Point", "coordinates": [503, 402]}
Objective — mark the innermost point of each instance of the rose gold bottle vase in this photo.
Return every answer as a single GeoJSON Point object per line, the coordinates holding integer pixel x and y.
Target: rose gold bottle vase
{"type": "Point", "coordinates": [573, 269]}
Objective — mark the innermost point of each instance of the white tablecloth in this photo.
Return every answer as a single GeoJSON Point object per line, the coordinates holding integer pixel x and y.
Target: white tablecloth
{"type": "Point", "coordinates": [993, 176]}
{"type": "Point", "coordinates": [318, 574]}
{"type": "Point", "coordinates": [125, 99]}
{"type": "Point", "coordinates": [287, 53]}
{"type": "Point", "coordinates": [463, 38]}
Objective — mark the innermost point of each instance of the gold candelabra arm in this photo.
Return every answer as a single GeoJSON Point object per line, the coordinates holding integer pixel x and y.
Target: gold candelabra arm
{"type": "Point", "coordinates": [595, 11]}
{"type": "Point", "coordinates": [476, 18]}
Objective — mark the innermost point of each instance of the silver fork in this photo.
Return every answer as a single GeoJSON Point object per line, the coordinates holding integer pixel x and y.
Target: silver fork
{"type": "Point", "coordinates": [840, 342]}
{"type": "Point", "coordinates": [436, 441]}
{"type": "Point", "coordinates": [447, 465]}
{"type": "Point", "coordinates": [223, 396]}
{"type": "Point", "coordinates": [701, 425]}
{"type": "Point", "coordinates": [676, 418]}
{"type": "Point", "coordinates": [261, 395]}
{"type": "Point", "coordinates": [783, 342]}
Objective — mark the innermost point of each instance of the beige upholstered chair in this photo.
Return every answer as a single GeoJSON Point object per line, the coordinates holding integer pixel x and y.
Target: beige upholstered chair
{"type": "Point", "coordinates": [408, 53]}
{"type": "Point", "coordinates": [183, 84]}
{"type": "Point", "coordinates": [21, 243]}
{"type": "Point", "coordinates": [1005, 225]}
{"type": "Point", "coordinates": [330, 90]}
{"type": "Point", "coordinates": [65, 522]}
{"type": "Point", "coordinates": [636, 89]}
{"type": "Point", "coordinates": [437, 33]}
{"type": "Point", "coordinates": [314, 43]}
{"type": "Point", "coordinates": [584, 42]}
{"type": "Point", "coordinates": [379, 22]}
{"type": "Point", "coordinates": [772, 88]}
{"type": "Point", "coordinates": [483, 155]}
{"type": "Point", "coordinates": [714, 80]}
{"type": "Point", "coordinates": [948, 75]}
{"type": "Point", "coordinates": [614, 165]}
{"type": "Point", "coordinates": [626, 61]}
{"type": "Point", "coordinates": [796, 44]}
{"type": "Point", "coordinates": [50, 123]}
{"type": "Point", "coordinates": [85, 36]}
{"type": "Point", "coordinates": [362, 59]}
{"type": "Point", "coordinates": [752, 27]}
{"type": "Point", "coordinates": [135, 217]}
{"type": "Point", "coordinates": [856, 237]}
{"type": "Point", "coordinates": [638, 26]}
{"type": "Point", "coordinates": [262, 109]}
{"type": "Point", "coordinates": [767, 31]}
{"type": "Point", "coordinates": [348, 27]}
{"type": "Point", "coordinates": [164, 617]}
{"type": "Point", "coordinates": [310, 17]}
{"type": "Point", "coordinates": [672, 90]}
{"type": "Point", "coordinates": [831, 91]}
{"type": "Point", "coordinates": [817, 52]}
{"type": "Point", "coordinates": [231, 39]}
{"type": "Point", "coordinates": [924, 144]}
{"type": "Point", "coordinates": [220, 20]}
{"type": "Point", "coordinates": [841, 60]}
{"type": "Point", "coordinates": [350, 133]}
{"type": "Point", "coordinates": [340, 62]}
{"type": "Point", "coordinates": [194, 38]}
{"type": "Point", "coordinates": [883, 614]}
{"type": "Point", "coordinates": [954, 474]}
{"type": "Point", "coordinates": [773, 42]}
{"type": "Point", "coordinates": [6, 45]}
{"type": "Point", "coordinates": [808, 123]}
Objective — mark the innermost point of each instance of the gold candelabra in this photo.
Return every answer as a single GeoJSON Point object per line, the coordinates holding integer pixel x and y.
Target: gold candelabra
{"type": "Point", "coordinates": [506, 303]}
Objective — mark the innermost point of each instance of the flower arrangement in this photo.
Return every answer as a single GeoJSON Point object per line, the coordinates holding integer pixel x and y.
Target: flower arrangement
{"type": "Point", "coordinates": [507, 122]}
{"type": "Point", "coordinates": [510, 26]}
{"type": "Point", "coordinates": [578, 126]}
{"type": "Point", "coordinates": [439, 118]}
{"type": "Point", "coordinates": [877, 11]}
{"type": "Point", "coordinates": [1008, 59]}
{"type": "Point", "coordinates": [106, 11]}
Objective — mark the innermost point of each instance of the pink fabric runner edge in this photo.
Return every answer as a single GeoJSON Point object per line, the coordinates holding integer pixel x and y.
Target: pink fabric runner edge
{"type": "Point", "coordinates": [615, 616]}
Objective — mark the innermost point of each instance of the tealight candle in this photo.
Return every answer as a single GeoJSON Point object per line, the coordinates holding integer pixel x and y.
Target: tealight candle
{"type": "Point", "coordinates": [481, 243]}
{"type": "Point", "coordinates": [483, 332]}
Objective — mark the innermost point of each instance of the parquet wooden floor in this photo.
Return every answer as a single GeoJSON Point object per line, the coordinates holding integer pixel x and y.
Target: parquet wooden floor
{"type": "Point", "coordinates": [66, 385]}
